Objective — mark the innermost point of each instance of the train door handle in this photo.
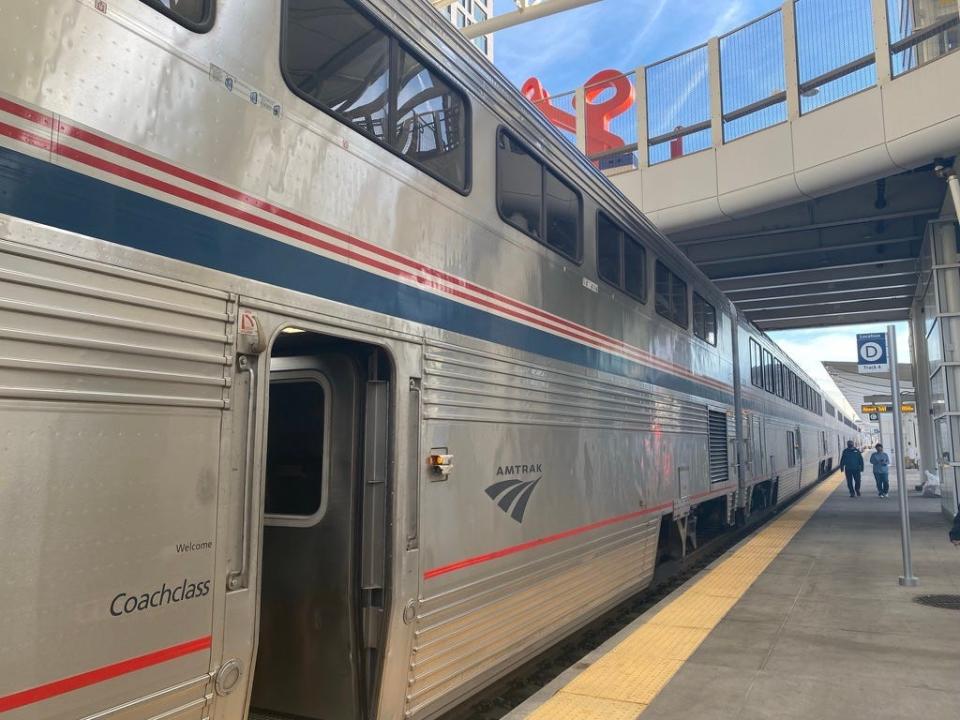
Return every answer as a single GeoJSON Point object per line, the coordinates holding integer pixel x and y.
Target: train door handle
{"type": "Point", "coordinates": [237, 579]}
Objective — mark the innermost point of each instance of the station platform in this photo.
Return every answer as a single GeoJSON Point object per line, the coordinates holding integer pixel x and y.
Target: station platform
{"type": "Point", "coordinates": [803, 619]}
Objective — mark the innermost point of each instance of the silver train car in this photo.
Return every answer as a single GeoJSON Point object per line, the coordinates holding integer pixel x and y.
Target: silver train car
{"type": "Point", "coordinates": [334, 382]}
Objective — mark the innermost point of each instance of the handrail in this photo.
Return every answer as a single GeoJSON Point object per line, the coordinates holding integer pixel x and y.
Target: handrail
{"type": "Point", "coordinates": [679, 132]}
{"type": "Point", "coordinates": [763, 104]}
{"type": "Point", "coordinates": [918, 36]}
{"type": "Point", "coordinates": [613, 152]}
{"type": "Point", "coordinates": [838, 72]}
{"type": "Point", "coordinates": [238, 579]}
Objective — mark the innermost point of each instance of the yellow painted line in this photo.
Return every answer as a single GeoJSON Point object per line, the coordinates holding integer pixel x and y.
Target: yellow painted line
{"type": "Point", "coordinates": [621, 684]}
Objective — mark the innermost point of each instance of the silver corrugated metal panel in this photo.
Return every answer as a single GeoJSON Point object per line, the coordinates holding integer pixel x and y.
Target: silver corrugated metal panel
{"type": "Point", "coordinates": [464, 385]}
{"type": "Point", "coordinates": [78, 331]}
{"type": "Point", "coordinates": [463, 636]}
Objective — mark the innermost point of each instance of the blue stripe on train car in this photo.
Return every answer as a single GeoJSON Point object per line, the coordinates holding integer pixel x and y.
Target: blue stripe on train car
{"type": "Point", "coordinates": [49, 194]}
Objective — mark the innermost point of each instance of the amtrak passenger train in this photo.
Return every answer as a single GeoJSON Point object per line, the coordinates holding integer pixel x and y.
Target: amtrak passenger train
{"type": "Point", "coordinates": [334, 382]}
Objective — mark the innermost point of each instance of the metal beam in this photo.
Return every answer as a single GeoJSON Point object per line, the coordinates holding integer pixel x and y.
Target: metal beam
{"type": "Point", "coordinates": [898, 265]}
{"type": "Point", "coordinates": [813, 226]}
{"type": "Point", "coordinates": [841, 297]}
{"type": "Point", "coordinates": [820, 309]}
{"type": "Point", "coordinates": [522, 15]}
{"type": "Point", "coordinates": [806, 251]}
{"type": "Point", "coordinates": [820, 288]}
{"type": "Point", "coordinates": [834, 320]}
{"type": "Point", "coordinates": [776, 278]}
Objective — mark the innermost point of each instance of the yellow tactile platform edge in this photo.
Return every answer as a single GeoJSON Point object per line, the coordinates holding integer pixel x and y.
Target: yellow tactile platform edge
{"type": "Point", "coordinates": [621, 684]}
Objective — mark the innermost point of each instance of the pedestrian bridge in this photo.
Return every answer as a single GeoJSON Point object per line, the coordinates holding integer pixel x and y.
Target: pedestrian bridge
{"type": "Point", "coordinates": [793, 157]}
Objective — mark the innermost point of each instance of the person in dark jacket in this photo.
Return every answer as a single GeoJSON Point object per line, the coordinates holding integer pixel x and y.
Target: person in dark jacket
{"type": "Point", "coordinates": [955, 530]}
{"type": "Point", "coordinates": [851, 462]}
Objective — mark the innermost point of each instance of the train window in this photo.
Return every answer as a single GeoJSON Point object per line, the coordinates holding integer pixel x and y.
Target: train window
{"type": "Point", "coordinates": [535, 200]}
{"type": "Point", "coordinates": [778, 377]}
{"type": "Point", "coordinates": [704, 320]}
{"type": "Point", "coordinates": [671, 295]}
{"type": "Point", "coordinates": [634, 268]}
{"type": "Point", "coordinates": [338, 60]}
{"type": "Point", "coordinates": [767, 371]}
{"type": "Point", "coordinates": [519, 186]}
{"type": "Point", "coordinates": [430, 122]}
{"type": "Point", "coordinates": [756, 376]}
{"type": "Point", "coordinates": [295, 433]}
{"type": "Point", "coordinates": [196, 15]}
{"type": "Point", "coordinates": [609, 251]}
{"type": "Point", "coordinates": [562, 211]}
{"type": "Point", "coordinates": [791, 450]}
{"type": "Point", "coordinates": [621, 260]}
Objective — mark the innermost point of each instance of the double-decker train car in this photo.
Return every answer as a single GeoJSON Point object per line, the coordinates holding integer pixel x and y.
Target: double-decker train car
{"type": "Point", "coordinates": [334, 382]}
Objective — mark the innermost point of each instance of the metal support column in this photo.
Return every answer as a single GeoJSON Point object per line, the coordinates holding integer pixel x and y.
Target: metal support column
{"type": "Point", "coordinates": [953, 183]}
{"type": "Point", "coordinates": [580, 99]}
{"type": "Point", "coordinates": [716, 92]}
{"type": "Point", "coordinates": [791, 72]}
{"type": "Point", "coordinates": [921, 386]}
{"type": "Point", "coordinates": [881, 42]}
{"type": "Point", "coordinates": [907, 579]}
{"type": "Point", "coordinates": [643, 129]}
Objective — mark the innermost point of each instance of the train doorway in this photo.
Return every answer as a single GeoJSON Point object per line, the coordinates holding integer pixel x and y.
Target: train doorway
{"type": "Point", "coordinates": [322, 557]}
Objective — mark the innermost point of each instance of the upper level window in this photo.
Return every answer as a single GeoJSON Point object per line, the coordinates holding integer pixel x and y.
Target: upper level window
{"type": "Point", "coordinates": [535, 200]}
{"type": "Point", "coordinates": [196, 15]}
{"type": "Point", "coordinates": [767, 371]}
{"type": "Point", "coordinates": [430, 126]}
{"type": "Point", "coordinates": [671, 295]}
{"type": "Point", "coordinates": [704, 320]}
{"type": "Point", "coordinates": [562, 211]}
{"type": "Point", "coordinates": [756, 360]}
{"type": "Point", "coordinates": [519, 186]}
{"type": "Point", "coordinates": [335, 58]}
{"type": "Point", "coordinates": [778, 377]}
{"type": "Point", "coordinates": [621, 260]}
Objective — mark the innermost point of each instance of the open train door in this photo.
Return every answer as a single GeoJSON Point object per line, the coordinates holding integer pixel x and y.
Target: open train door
{"type": "Point", "coordinates": [304, 585]}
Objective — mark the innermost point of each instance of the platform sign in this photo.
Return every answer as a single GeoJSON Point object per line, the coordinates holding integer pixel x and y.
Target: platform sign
{"type": "Point", "coordinates": [875, 408]}
{"type": "Point", "coordinates": [872, 353]}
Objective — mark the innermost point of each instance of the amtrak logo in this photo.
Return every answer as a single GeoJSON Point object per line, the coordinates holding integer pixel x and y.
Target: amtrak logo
{"type": "Point", "coordinates": [513, 495]}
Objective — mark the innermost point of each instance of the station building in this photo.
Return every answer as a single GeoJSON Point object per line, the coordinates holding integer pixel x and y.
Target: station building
{"type": "Point", "coordinates": [467, 12]}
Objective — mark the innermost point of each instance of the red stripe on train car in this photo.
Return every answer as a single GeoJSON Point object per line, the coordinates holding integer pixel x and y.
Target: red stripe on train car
{"type": "Point", "coordinates": [540, 317]}
{"type": "Point", "coordinates": [101, 674]}
{"type": "Point", "coordinates": [530, 544]}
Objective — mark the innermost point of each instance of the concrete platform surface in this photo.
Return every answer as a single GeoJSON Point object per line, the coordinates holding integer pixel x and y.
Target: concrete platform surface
{"type": "Point", "coordinates": [823, 632]}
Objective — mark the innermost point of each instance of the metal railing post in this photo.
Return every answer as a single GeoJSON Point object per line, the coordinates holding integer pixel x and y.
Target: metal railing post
{"type": "Point", "coordinates": [643, 129]}
{"type": "Point", "coordinates": [881, 41]}
{"type": "Point", "coordinates": [716, 92]}
{"type": "Point", "coordinates": [791, 73]}
{"type": "Point", "coordinates": [581, 102]}
{"type": "Point", "coordinates": [908, 579]}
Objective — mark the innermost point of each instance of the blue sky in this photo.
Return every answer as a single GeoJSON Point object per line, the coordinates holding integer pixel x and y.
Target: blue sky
{"type": "Point", "coordinates": [565, 49]}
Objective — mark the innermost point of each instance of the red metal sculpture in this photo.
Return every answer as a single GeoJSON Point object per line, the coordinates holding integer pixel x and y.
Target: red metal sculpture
{"type": "Point", "coordinates": [596, 114]}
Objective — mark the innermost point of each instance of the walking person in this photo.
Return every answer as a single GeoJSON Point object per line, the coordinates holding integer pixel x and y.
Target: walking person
{"type": "Point", "coordinates": [881, 470]}
{"type": "Point", "coordinates": [851, 462]}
